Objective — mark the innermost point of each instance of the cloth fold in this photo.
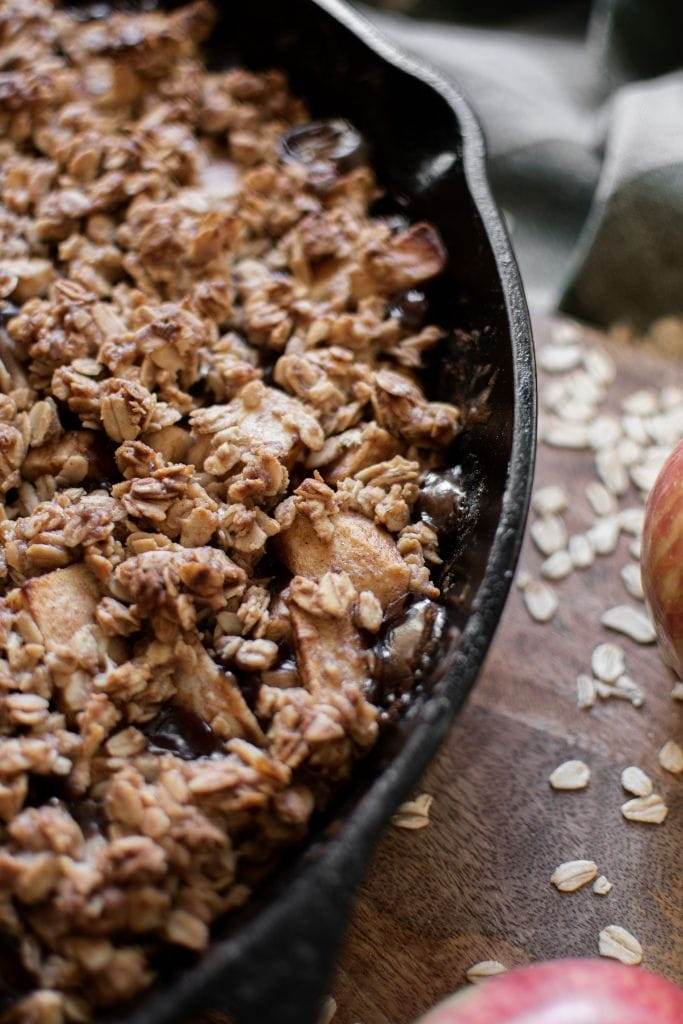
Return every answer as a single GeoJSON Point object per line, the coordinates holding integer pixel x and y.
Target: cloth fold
{"type": "Point", "coordinates": [583, 114]}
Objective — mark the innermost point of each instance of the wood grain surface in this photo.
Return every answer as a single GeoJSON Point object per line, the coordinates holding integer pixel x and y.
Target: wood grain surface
{"type": "Point", "coordinates": [474, 884]}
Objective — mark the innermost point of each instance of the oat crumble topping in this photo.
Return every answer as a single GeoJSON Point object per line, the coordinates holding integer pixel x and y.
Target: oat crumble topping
{"type": "Point", "coordinates": [212, 444]}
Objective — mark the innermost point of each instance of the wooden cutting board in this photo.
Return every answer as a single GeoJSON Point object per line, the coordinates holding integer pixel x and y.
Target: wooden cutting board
{"type": "Point", "coordinates": [474, 884]}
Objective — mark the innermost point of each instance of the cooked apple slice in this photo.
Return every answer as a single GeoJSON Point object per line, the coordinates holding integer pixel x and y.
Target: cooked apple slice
{"type": "Point", "coordinates": [262, 417]}
{"type": "Point", "coordinates": [374, 445]}
{"type": "Point", "coordinates": [328, 651]}
{"type": "Point", "coordinates": [172, 442]}
{"type": "Point", "coordinates": [358, 547]}
{"type": "Point", "coordinates": [62, 602]}
{"type": "Point", "coordinates": [403, 261]}
{"type": "Point", "coordinates": [69, 450]}
{"type": "Point", "coordinates": [213, 695]}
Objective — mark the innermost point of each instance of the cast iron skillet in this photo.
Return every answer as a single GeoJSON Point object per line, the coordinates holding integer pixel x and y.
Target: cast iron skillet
{"type": "Point", "coordinates": [272, 965]}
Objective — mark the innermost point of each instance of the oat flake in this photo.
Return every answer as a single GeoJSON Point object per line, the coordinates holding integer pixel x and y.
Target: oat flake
{"type": "Point", "coordinates": [631, 520]}
{"type": "Point", "coordinates": [640, 403]}
{"type": "Point", "coordinates": [604, 536]}
{"type": "Point", "coordinates": [485, 969]}
{"type": "Point", "coordinates": [644, 475]}
{"type": "Point", "coordinates": [631, 622]}
{"type": "Point", "coordinates": [585, 691]}
{"type": "Point", "coordinates": [608, 662]}
{"type": "Point", "coordinates": [580, 551]}
{"type": "Point", "coordinates": [550, 500]}
{"type": "Point", "coordinates": [573, 875]}
{"type": "Point", "coordinates": [559, 358]}
{"type": "Point", "coordinates": [601, 886]}
{"type": "Point", "coordinates": [600, 366]}
{"type": "Point", "coordinates": [634, 428]}
{"type": "Point", "coordinates": [549, 534]}
{"type": "Point", "coordinates": [600, 499]}
{"type": "Point", "coordinates": [414, 814]}
{"type": "Point", "coordinates": [329, 1011]}
{"type": "Point", "coordinates": [618, 944]}
{"type": "Point", "coordinates": [570, 775]}
{"type": "Point", "coordinates": [558, 566]}
{"type": "Point", "coordinates": [649, 810]}
{"type": "Point", "coordinates": [540, 600]}
{"type": "Point", "coordinates": [565, 435]}
{"type": "Point", "coordinates": [633, 581]}
{"type": "Point", "coordinates": [611, 471]}
{"type": "Point", "coordinates": [670, 757]}
{"type": "Point", "coordinates": [634, 780]}
{"type": "Point", "coordinates": [604, 432]}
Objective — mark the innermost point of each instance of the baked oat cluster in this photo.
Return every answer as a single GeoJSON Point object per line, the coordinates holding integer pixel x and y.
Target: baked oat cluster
{"type": "Point", "coordinates": [212, 441]}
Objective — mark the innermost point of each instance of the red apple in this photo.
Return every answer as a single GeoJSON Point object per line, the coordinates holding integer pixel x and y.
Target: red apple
{"type": "Point", "coordinates": [565, 992]}
{"type": "Point", "coordinates": [662, 557]}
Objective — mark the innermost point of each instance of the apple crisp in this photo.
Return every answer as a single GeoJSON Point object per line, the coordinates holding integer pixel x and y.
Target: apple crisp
{"type": "Point", "coordinates": [214, 444]}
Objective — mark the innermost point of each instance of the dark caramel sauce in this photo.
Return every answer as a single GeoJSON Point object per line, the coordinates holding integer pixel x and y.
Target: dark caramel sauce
{"type": "Point", "coordinates": [179, 731]}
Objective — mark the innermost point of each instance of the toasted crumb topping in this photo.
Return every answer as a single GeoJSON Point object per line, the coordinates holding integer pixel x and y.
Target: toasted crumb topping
{"type": "Point", "coordinates": [212, 442]}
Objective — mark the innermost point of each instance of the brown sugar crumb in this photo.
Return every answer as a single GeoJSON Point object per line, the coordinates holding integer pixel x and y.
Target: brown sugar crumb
{"type": "Point", "coordinates": [204, 363]}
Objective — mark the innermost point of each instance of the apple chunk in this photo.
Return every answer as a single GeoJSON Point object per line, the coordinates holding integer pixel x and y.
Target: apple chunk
{"type": "Point", "coordinates": [212, 694]}
{"type": "Point", "coordinates": [358, 547]}
{"type": "Point", "coordinates": [329, 651]}
{"type": "Point", "coordinates": [662, 557]}
{"type": "Point", "coordinates": [62, 602]}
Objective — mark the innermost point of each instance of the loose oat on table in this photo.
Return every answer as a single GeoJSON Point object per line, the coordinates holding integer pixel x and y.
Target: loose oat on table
{"type": "Point", "coordinates": [602, 501]}
{"type": "Point", "coordinates": [633, 582]}
{"type": "Point", "coordinates": [329, 1011]}
{"type": "Point", "coordinates": [630, 622]}
{"type": "Point", "coordinates": [611, 471]}
{"type": "Point", "coordinates": [549, 534]}
{"type": "Point", "coordinates": [644, 475]}
{"type": "Point", "coordinates": [641, 403]}
{"type": "Point", "coordinates": [635, 548]}
{"type": "Point", "coordinates": [213, 447]}
{"type": "Point", "coordinates": [558, 566]}
{"type": "Point", "coordinates": [604, 431]}
{"type": "Point", "coordinates": [636, 781]}
{"type": "Point", "coordinates": [541, 600]}
{"type": "Point", "coordinates": [650, 810]}
{"type": "Point", "coordinates": [618, 944]}
{"type": "Point", "coordinates": [414, 814]}
{"type": "Point", "coordinates": [485, 969]}
{"type": "Point", "coordinates": [550, 500]}
{"type": "Point", "coordinates": [608, 662]}
{"type": "Point", "coordinates": [573, 875]}
{"type": "Point", "coordinates": [570, 775]}
{"type": "Point", "coordinates": [602, 886]}
{"type": "Point", "coordinates": [560, 434]}
{"type": "Point", "coordinates": [585, 691]}
{"type": "Point", "coordinates": [560, 358]}
{"type": "Point", "coordinates": [623, 689]}
{"type": "Point", "coordinates": [670, 757]}
{"type": "Point", "coordinates": [677, 691]}
{"type": "Point", "coordinates": [599, 365]}
{"type": "Point", "coordinates": [580, 551]}
{"type": "Point", "coordinates": [631, 520]}
{"type": "Point", "coordinates": [603, 536]}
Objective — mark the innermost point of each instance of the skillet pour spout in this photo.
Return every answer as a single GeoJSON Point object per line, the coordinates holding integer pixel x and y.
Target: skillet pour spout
{"type": "Point", "coordinates": [273, 963]}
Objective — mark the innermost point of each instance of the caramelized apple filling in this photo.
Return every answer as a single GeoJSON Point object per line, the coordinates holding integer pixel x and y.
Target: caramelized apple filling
{"type": "Point", "coordinates": [213, 444]}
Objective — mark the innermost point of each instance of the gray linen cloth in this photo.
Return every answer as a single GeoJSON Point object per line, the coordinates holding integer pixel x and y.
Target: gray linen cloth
{"type": "Point", "coordinates": [582, 108]}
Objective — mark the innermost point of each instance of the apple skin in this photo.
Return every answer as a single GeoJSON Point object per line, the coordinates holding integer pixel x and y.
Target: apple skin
{"type": "Point", "coordinates": [565, 992]}
{"type": "Point", "coordinates": [662, 557]}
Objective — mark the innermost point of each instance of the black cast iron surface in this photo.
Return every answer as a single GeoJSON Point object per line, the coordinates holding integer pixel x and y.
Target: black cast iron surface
{"type": "Point", "coordinates": [273, 964]}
